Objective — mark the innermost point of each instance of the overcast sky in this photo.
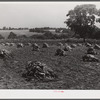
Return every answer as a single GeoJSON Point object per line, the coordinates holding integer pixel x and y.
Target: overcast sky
{"type": "Point", "coordinates": [36, 14]}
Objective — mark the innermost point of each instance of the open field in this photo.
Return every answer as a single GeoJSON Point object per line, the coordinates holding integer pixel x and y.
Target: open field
{"type": "Point", "coordinates": [5, 33]}
{"type": "Point", "coordinates": [72, 72]}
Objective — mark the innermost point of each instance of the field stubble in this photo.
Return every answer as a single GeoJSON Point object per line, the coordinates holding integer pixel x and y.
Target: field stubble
{"type": "Point", "coordinates": [72, 72]}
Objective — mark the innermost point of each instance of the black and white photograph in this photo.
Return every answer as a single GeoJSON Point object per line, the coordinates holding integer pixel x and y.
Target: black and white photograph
{"type": "Point", "coordinates": [50, 45]}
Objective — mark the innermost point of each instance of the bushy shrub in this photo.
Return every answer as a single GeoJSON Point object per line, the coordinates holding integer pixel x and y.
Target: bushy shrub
{"type": "Point", "coordinates": [49, 35]}
{"type": "Point", "coordinates": [22, 36]}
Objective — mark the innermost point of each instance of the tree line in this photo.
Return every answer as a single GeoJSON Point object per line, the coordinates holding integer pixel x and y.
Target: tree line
{"type": "Point", "coordinates": [45, 29]}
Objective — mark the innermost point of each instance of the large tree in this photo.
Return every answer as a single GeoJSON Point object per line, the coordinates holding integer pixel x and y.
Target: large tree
{"type": "Point", "coordinates": [82, 20]}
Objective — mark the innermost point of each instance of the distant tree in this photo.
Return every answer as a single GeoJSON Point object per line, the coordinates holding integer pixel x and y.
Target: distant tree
{"type": "Point", "coordinates": [82, 19]}
{"type": "Point", "coordinates": [48, 34]}
{"type": "Point", "coordinates": [31, 30]}
{"type": "Point", "coordinates": [57, 30]}
{"type": "Point", "coordinates": [12, 35]}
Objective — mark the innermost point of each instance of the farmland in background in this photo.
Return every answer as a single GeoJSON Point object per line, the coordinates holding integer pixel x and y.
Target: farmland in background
{"type": "Point", "coordinates": [5, 33]}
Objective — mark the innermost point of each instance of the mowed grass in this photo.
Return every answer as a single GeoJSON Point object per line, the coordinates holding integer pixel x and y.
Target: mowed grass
{"type": "Point", "coordinates": [72, 72]}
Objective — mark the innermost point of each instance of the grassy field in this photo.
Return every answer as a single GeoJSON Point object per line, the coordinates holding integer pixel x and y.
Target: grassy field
{"type": "Point", "coordinates": [72, 72]}
{"type": "Point", "coordinates": [5, 33]}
